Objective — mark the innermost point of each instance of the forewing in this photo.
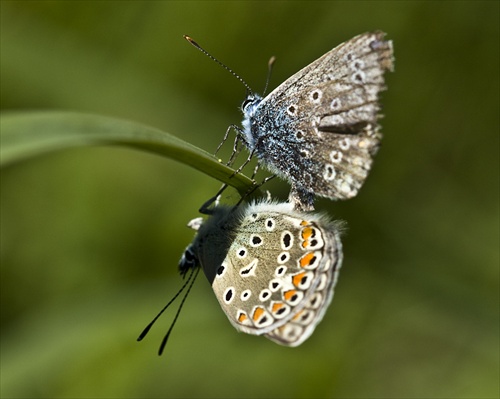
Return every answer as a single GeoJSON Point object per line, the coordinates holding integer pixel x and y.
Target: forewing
{"type": "Point", "coordinates": [330, 109]}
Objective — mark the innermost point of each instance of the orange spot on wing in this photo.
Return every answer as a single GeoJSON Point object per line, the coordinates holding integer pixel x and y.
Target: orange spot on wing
{"type": "Point", "coordinates": [289, 294]}
{"type": "Point", "coordinates": [277, 306]}
{"type": "Point", "coordinates": [257, 313]}
{"type": "Point", "coordinates": [297, 279]}
{"type": "Point", "coordinates": [305, 223]}
{"type": "Point", "coordinates": [307, 233]}
{"type": "Point", "coordinates": [242, 317]}
{"type": "Point", "coordinates": [306, 259]}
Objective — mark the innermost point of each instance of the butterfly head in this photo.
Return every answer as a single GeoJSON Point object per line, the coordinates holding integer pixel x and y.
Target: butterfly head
{"type": "Point", "coordinates": [250, 103]}
{"type": "Point", "coordinates": [188, 261]}
{"type": "Point", "coordinates": [248, 107]}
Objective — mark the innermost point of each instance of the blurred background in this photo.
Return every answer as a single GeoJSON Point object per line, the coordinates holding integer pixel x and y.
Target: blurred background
{"type": "Point", "coordinates": [91, 238]}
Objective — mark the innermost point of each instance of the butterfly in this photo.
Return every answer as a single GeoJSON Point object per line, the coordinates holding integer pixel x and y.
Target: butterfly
{"type": "Point", "coordinates": [272, 268]}
{"type": "Point", "coordinates": [319, 129]}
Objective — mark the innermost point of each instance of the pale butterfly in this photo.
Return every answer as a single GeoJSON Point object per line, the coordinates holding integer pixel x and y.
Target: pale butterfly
{"type": "Point", "coordinates": [272, 268]}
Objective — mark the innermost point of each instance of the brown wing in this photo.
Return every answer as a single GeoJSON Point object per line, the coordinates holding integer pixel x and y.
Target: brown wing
{"type": "Point", "coordinates": [333, 109]}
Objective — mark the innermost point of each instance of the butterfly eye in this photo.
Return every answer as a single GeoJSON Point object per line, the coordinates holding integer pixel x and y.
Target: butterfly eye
{"type": "Point", "coordinates": [188, 260]}
{"type": "Point", "coordinates": [248, 101]}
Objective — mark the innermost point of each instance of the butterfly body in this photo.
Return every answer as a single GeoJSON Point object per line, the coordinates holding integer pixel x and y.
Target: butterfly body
{"type": "Point", "coordinates": [318, 130]}
{"type": "Point", "coordinates": [272, 268]}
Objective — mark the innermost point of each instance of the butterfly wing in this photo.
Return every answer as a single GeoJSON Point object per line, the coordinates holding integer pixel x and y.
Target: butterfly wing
{"type": "Point", "coordinates": [321, 258]}
{"type": "Point", "coordinates": [278, 276]}
{"type": "Point", "coordinates": [325, 135]}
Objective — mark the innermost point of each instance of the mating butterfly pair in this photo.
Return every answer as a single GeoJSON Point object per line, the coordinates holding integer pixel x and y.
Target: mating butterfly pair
{"type": "Point", "coordinates": [273, 266]}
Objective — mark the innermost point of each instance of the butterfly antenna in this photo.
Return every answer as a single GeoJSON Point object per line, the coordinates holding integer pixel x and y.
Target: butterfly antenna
{"type": "Point", "coordinates": [270, 65]}
{"type": "Point", "coordinates": [148, 327]}
{"type": "Point", "coordinates": [190, 40]}
{"type": "Point", "coordinates": [165, 339]}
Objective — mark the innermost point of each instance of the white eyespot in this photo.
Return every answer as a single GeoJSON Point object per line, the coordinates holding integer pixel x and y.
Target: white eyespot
{"type": "Point", "coordinates": [254, 216]}
{"type": "Point", "coordinates": [264, 295]}
{"type": "Point", "coordinates": [315, 300]}
{"type": "Point", "coordinates": [256, 240]}
{"type": "Point", "coordinates": [336, 156]}
{"type": "Point", "coordinates": [336, 104]}
{"type": "Point", "coordinates": [358, 77]}
{"type": "Point", "coordinates": [283, 257]}
{"type": "Point", "coordinates": [292, 110]}
{"type": "Point", "coordinates": [357, 64]}
{"type": "Point", "coordinates": [304, 153]}
{"type": "Point", "coordinates": [315, 96]}
{"type": "Point", "coordinates": [245, 295]}
{"type": "Point", "coordinates": [305, 317]}
{"type": "Point", "coordinates": [299, 135]}
{"type": "Point", "coordinates": [286, 240]}
{"type": "Point", "coordinates": [280, 271]}
{"type": "Point", "coordinates": [344, 144]}
{"type": "Point", "coordinates": [228, 295]}
{"type": "Point", "coordinates": [275, 285]}
{"type": "Point", "coordinates": [241, 253]}
{"type": "Point", "coordinates": [329, 173]}
{"type": "Point", "coordinates": [291, 332]}
{"type": "Point", "coordinates": [249, 270]}
{"type": "Point", "coordinates": [270, 224]}
{"type": "Point", "coordinates": [221, 270]}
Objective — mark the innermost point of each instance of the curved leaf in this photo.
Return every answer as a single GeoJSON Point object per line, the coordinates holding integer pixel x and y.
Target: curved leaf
{"type": "Point", "coordinates": [28, 134]}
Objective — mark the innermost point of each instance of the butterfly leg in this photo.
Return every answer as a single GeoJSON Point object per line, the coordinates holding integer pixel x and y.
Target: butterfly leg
{"type": "Point", "coordinates": [250, 156]}
{"type": "Point", "coordinates": [255, 187]}
{"type": "Point", "coordinates": [235, 153]}
{"type": "Point", "coordinates": [255, 172]}
{"type": "Point", "coordinates": [237, 140]}
{"type": "Point", "coordinates": [205, 208]}
{"type": "Point", "coordinates": [226, 135]}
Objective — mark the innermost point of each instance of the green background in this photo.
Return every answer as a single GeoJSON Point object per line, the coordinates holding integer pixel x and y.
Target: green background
{"type": "Point", "coordinates": [91, 237]}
